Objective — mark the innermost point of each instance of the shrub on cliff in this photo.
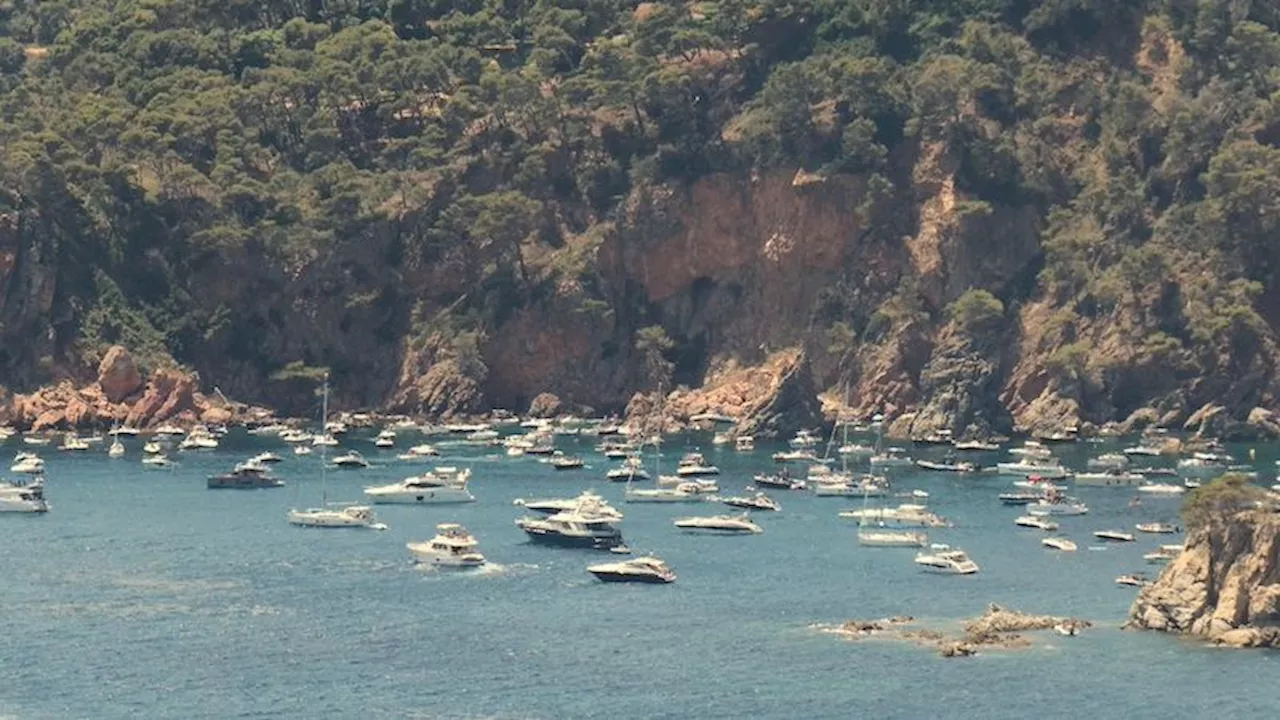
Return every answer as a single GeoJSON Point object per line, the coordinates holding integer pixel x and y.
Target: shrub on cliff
{"type": "Point", "coordinates": [976, 311]}
{"type": "Point", "coordinates": [1216, 501]}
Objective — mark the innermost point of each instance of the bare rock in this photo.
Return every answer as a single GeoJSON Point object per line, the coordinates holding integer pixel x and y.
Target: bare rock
{"type": "Point", "coordinates": [168, 393]}
{"type": "Point", "coordinates": [443, 391]}
{"type": "Point", "coordinates": [1210, 420]}
{"type": "Point", "coordinates": [545, 405]}
{"type": "Point", "coordinates": [1139, 420]}
{"type": "Point", "coordinates": [118, 376]}
{"type": "Point", "coordinates": [773, 399]}
{"type": "Point", "coordinates": [1264, 422]}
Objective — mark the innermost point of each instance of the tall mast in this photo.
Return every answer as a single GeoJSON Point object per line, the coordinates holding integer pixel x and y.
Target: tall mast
{"type": "Point", "coordinates": [324, 463]}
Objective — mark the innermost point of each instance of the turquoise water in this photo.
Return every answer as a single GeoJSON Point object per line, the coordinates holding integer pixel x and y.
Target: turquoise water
{"type": "Point", "coordinates": [142, 594]}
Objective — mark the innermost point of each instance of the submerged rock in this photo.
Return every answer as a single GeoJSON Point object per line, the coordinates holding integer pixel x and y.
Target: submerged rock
{"type": "Point", "coordinates": [997, 628]}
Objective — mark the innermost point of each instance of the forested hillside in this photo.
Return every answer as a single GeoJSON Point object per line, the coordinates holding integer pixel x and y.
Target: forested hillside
{"type": "Point", "coordinates": [978, 214]}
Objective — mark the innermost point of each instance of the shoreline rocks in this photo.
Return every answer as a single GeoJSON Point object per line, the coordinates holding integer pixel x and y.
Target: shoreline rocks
{"type": "Point", "coordinates": [997, 628]}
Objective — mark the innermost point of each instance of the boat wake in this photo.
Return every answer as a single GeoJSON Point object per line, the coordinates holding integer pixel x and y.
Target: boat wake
{"type": "Point", "coordinates": [489, 569]}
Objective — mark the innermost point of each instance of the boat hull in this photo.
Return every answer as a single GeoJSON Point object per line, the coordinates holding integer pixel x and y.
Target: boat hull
{"type": "Point", "coordinates": [435, 496]}
{"type": "Point", "coordinates": [643, 579]}
{"type": "Point", "coordinates": [233, 483]}
{"type": "Point", "coordinates": [588, 542]}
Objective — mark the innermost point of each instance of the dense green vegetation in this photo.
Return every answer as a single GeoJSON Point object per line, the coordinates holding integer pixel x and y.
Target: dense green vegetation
{"type": "Point", "coordinates": [180, 164]}
{"type": "Point", "coordinates": [1217, 501]}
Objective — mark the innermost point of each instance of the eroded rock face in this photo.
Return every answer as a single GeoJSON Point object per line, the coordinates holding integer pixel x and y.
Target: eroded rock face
{"type": "Point", "coordinates": [545, 405]}
{"type": "Point", "coordinates": [118, 376]}
{"type": "Point", "coordinates": [1225, 587]}
{"type": "Point", "coordinates": [769, 400]}
{"type": "Point", "coordinates": [960, 386]}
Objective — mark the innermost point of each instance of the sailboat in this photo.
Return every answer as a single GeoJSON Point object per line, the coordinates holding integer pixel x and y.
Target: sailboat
{"type": "Point", "coordinates": [682, 492]}
{"type": "Point", "coordinates": [881, 536]}
{"type": "Point", "coordinates": [117, 448]}
{"type": "Point", "coordinates": [336, 515]}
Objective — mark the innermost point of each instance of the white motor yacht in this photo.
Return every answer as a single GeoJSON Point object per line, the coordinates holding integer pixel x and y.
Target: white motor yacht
{"type": "Point", "coordinates": [157, 462]}
{"type": "Point", "coordinates": [429, 489]}
{"type": "Point", "coordinates": [301, 450]}
{"type": "Point", "coordinates": [125, 430]}
{"type": "Point", "coordinates": [695, 465]}
{"type": "Point", "coordinates": [946, 560]}
{"type": "Point", "coordinates": [1157, 528]}
{"type": "Point", "coordinates": [1163, 554]}
{"type": "Point", "coordinates": [419, 452]}
{"type": "Point", "coordinates": [1032, 449]}
{"type": "Point", "coordinates": [892, 538]}
{"type": "Point", "coordinates": [795, 456]}
{"type": "Point", "coordinates": [385, 439]}
{"type": "Point", "coordinates": [587, 503]}
{"type": "Point", "coordinates": [891, 459]}
{"type": "Point", "coordinates": [1204, 465]}
{"type": "Point", "coordinates": [35, 440]}
{"type": "Point", "coordinates": [1162, 489]}
{"type": "Point", "coordinates": [1033, 521]}
{"type": "Point", "coordinates": [1060, 507]}
{"type": "Point", "coordinates": [1113, 535]}
{"type": "Point", "coordinates": [573, 529]}
{"type": "Point", "coordinates": [719, 525]}
{"type": "Point", "coordinates": [346, 516]}
{"type": "Point", "coordinates": [758, 501]}
{"type": "Point", "coordinates": [841, 486]}
{"type": "Point", "coordinates": [352, 460]}
{"type": "Point", "coordinates": [1047, 469]}
{"type": "Point", "coordinates": [1058, 543]}
{"type": "Point", "coordinates": [168, 429]}
{"type": "Point", "coordinates": [975, 446]}
{"type": "Point", "coordinates": [903, 516]}
{"type": "Point", "coordinates": [647, 569]}
{"type": "Point", "coordinates": [631, 469]}
{"type": "Point", "coordinates": [804, 439]}
{"type": "Point", "coordinates": [326, 440]}
{"type": "Point", "coordinates": [1109, 478]}
{"type": "Point", "coordinates": [682, 493]}
{"type": "Point", "coordinates": [71, 443]}
{"type": "Point", "coordinates": [856, 450]}
{"type": "Point", "coordinates": [198, 439]}
{"type": "Point", "coordinates": [296, 437]}
{"type": "Point", "coordinates": [1109, 461]}
{"type": "Point", "coordinates": [266, 458]}
{"type": "Point", "coordinates": [152, 448]}
{"type": "Point", "coordinates": [23, 497]}
{"type": "Point", "coordinates": [452, 546]}
{"type": "Point", "coordinates": [27, 464]}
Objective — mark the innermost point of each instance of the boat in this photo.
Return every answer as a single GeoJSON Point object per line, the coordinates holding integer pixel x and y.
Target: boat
{"type": "Point", "coordinates": [779, 481]}
{"type": "Point", "coordinates": [444, 486]}
{"type": "Point", "coordinates": [1153, 472]}
{"type": "Point", "coordinates": [937, 437]}
{"type": "Point", "coordinates": [1109, 478]}
{"type": "Point", "coordinates": [903, 516]}
{"type": "Point", "coordinates": [647, 569]}
{"type": "Point", "coordinates": [246, 476]}
{"type": "Point", "coordinates": [152, 448]}
{"type": "Point", "coordinates": [418, 452]}
{"type": "Point", "coordinates": [1064, 506]}
{"type": "Point", "coordinates": [1035, 482]}
{"type": "Point", "coordinates": [1133, 580]}
{"type": "Point", "coordinates": [758, 501]}
{"type": "Point", "coordinates": [452, 547]}
{"type": "Point", "coordinates": [891, 459]}
{"type": "Point", "coordinates": [352, 460]}
{"type": "Point", "coordinates": [719, 525]}
{"type": "Point", "coordinates": [71, 443]}
{"type": "Point", "coordinates": [892, 538]}
{"type": "Point", "coordinates": [694, 485]}
{"type": "Point", "coordinates": [1034, 521]}
{"type": "Point", "coordinates": [975, 446]}
{"type": "Point", "coordinates": [1108, 461]}
{"type": "Point", "coordinates": [804, 439]}
{"type": "Point", "coordinates": [482, 436]}
{"type": "Point", "coordinates": [23, 497]}
{"type": "Point", "coordinates": [325, 440]}
{"type": "Point", "coordinates": [301, 450]}
{"type": "Point", "coordinates": [839, 485]}
{"type": "Point", "coordinates": [1046, 469]}
{"type": "Point", "coordinates": [695, 465]}
{"type": "Point", "coordinates": [170, 430]}
{"type": "Point", "coordinates": [385, 439]}
{"type": "Point", "coordinates": [1157, 528]}
{"type": "Point", "coordinates": [946, 560]}
{"type": "Point", "coordinates": [567, 462]}
{"type": "Point", "coordinates": [159, 461]}
{"type": "Point", "coordinates": [712, 418]}
{"type": "Point", "coordinates": [1142, 451]}
{"type": "Point", "coordinates": [27, 464]}
{"type": "Point", "coordinates": [1153, 488]}
{"type": "Point", "coordinates": [198, 439]}
{"type": "Point", "coordinates": [1032, 449]}
{"type": "Point", "coordinates": [574, 528]}
{"type": "Point", "coordinates": [335, 427]}
{"type": "Point", "coordinates": [266, 458]}
{"type": "Point", "coordinates": [1113, 535]}
{"type": "Point", "coordinates": [295, 437]}
{"type": "Point", "coordinates": [631, 469]}
{"type": "Point", "coordinates": [124, 430]}
{"type": "Point", "coordinates": [795, 456]}
{"type": "Point", "coordinates": [1019, 498]}
{"type": "Point", "coordinates": [328, 515]}
{"type": "Point", "coordinates": [721, 438]}
{"type": "Point", "coordinates": [1058, 543]}
{"type": "Point", "coordinates": [685, 492]}
{"type": "Point", "coordinates": [744, 443]}
{"type": "Point", "coordinates": [588, 503]}
{"type": "Point", "coordinates": [1204, 465]}
{"type": "Point", "coordinates": [947, 466]}
{"type": "Point", "coordinates": [1163, 554]}
{"type": "Point", "coordinates": [116, 449]}
{"type": "Point", "coordinates": [35, 440]}
{"type": "Point", "coordinates": [855, 450]}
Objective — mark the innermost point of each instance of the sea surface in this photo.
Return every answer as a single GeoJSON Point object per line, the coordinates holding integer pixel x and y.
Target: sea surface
{"type": "Point", "coordinates": [143, 595]}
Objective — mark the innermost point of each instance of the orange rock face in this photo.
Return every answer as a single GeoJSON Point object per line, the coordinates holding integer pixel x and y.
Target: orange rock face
{"type": "Point", "coordinates": [118, 375]}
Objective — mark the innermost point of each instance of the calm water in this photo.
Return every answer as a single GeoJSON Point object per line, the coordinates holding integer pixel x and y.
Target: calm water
{"type": "Point", "coordinates": [142, 594]}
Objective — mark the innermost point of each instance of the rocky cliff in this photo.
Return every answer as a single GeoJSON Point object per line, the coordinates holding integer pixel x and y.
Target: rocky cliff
{"type": "Point", "coordinates": [1224, 587]}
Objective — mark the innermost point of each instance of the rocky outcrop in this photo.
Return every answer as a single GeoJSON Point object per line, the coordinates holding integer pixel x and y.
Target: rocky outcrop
{"type": "Point", "coordinates": [545, 405]}
{"type": "Point", "coordinates": [960, 388]}
{"type": "Point", "coordinates": [441, 379]}
{"type": "Point", "coordinates": [170, 395]}
{"type": "Point", "coordinates": [1224, 587]}
{"type": "Point", "coordinates": [118, 376]}
{"type": "Point", "coordinates": [996, 628]}
{"type": "Point", "coordinates": [773, 399]}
